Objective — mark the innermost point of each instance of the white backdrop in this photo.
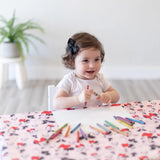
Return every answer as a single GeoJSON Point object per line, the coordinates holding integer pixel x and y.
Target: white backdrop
{"type": "Point", "coordinates": [128, 29]}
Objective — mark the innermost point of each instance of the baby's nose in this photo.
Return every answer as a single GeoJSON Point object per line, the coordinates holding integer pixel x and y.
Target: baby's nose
{"type": "Point", "coordinates": [91, 65]}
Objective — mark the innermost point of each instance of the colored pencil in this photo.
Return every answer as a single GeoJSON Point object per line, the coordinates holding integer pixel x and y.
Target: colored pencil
{"type": "Point", "coordinates": [111, 124]}
{"type": "Point", "coordinates": [134, 120]}
{"type": "Point", "coordinates": [85, 103]}
{"type": "Point", "coordinates": [76, 127]}
{"type": "Point", "coordinates": [98, 130]}
{"type": "Point", "coordinates": [96, 94]}
{"type": "Point", "coordinates": [67, 131]}
{"type": "Point", "coordinates": [124, 120]}
{"type": "Point", "coordinates": [54, 135]}
{"type": "Point", "coordinates": [83, 134]}
{"type": "Point", "coordinates": [77, 136]}
{"type": "Point", "coordinates": [118, 131]}
{"type": "Point", "coordinates": [61, 127]}
{"type": "Point", "coordinates": [102, 127]}
{"type": "Point", "coordinates": [125, 124]}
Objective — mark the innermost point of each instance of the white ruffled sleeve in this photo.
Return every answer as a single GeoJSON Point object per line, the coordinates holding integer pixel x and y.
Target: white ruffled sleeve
{"type": "Point", "coordinates": [66, 83]}
{"type": "Point", "coordinates": [104, 82]}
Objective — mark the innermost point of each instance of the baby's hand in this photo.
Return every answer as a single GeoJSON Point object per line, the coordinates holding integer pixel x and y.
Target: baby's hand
{"type": "Point", "coordinates": [105, 98]}
{"type": "Point", "coordinates": [85, 95]}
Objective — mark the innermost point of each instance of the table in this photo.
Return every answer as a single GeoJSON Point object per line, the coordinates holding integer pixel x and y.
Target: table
{"type": "Point", "coordinates": [21, 74]}
{"type": "Point", "coordinates": [22, 137]}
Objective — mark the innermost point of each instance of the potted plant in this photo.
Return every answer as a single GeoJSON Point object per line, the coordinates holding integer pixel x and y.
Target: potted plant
{"type": "Point", "coordinates": [14, 37]}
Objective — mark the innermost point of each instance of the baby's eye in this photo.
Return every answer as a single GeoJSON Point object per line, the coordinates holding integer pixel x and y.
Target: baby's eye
{"type": "Point", "coordinates": [85, 60]}
{"type": "Point", "coordinates": [97, 59]}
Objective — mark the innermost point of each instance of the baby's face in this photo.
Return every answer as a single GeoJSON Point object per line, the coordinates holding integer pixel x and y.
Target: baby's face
{"type": "Point", "coordinates": [88, 63]}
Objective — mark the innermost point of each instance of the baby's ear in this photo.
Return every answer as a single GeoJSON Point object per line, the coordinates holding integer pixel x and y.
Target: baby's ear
{"type": "Point", "coordinates": [73, 65]}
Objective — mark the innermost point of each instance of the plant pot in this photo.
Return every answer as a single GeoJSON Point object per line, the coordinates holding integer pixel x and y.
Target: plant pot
{"type": "Point", "coordinates": [9, 50]}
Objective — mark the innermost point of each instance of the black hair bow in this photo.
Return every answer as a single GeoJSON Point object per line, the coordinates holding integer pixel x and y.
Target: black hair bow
{"type": "Point", "coordinates": [72, 48]}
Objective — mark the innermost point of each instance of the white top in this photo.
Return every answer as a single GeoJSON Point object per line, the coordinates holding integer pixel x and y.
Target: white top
{"type": "Point", "coordinates": [73, 85]}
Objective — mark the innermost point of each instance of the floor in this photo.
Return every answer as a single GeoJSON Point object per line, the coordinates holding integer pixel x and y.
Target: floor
{"type": "Point", "coordinates": [34, 96]}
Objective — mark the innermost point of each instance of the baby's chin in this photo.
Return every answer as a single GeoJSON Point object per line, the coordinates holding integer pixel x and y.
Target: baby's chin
{"type": "Point", "coordinates": [86, 77]}
{"type": "Point", "coordinates": [90, 77]}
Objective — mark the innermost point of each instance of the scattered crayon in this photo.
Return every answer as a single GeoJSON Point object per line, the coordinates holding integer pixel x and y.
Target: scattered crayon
{"type": "Point", "coordinates": [77, 136]}
{"type": "Point", "coordinates": [124, 120]}
{"type": "Point", "coordinates": [134, 120]}
{"type": "Point", "coordinates": [105, 129]}
{"type": "Point", "coordinates": [54, 135]}
{"type": "Point", "coordinates": [83, 134]}
{"type": "Point", "coordinates": [67, 131]}
{"type": "Point", "coordinates": [118, 131]}
{"type": "Point", "coordinates": [98, 130]}
{"type": "Point", "coordinates": [61, 127]}
{"type": "Point", "coordinates": [125, 124]}
{"type": "Point", "coordinates": [111, 124]}
{"type": "Point", "coordinates": [76, 127]}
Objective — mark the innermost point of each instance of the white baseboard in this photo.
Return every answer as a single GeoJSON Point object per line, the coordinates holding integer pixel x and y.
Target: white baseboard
{"type": "Point", "coordinates": [57, 72]}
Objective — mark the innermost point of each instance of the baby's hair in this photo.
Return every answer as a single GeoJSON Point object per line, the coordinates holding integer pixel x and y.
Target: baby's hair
{"type": "Point", "coordinates": [78, 42]}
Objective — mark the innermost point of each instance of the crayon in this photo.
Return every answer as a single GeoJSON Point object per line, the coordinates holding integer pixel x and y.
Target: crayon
{"type": "Point", "coordinates": [77, 136]}
{"type": "Point", "coordinates": [96, 94]}
{"type": "Point", "coordinates": [105, 129]}
{"type": "Point", "coordinates": [85, 103]}
{"type": "Point", "coordinates": [66, 134]}
{"type": "Point", "coordinates": [134, 120]}
{"type": "Point", "coordinates": [61, 127]}
{"type": "Point", "coordinates": [118, 131]}
{"type": "Point", "coordinates": [130, 121]}
{"type": "Point", "coordinates": [110, 124]}
{"type": "Point", "coordinates": [124, 120]}
{"type": "Point", "coordinates": [76, 127]}
{"type": "Point", "coordinates": [54, 135]}
{"type": "Point", "coordinates": [98, 130]}
{"type": "Point", "coordinates": [127, 120]}
{"type": "Point", "coordinates": [83, 134]}
{"type": "Point", "coordinates": [106, 125]}
{"type": "Point", "coordinates": [125, 124]}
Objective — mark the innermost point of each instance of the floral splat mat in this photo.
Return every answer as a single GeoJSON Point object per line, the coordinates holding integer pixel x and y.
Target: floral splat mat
{"type": "Point", "coordinates": [23, 137]}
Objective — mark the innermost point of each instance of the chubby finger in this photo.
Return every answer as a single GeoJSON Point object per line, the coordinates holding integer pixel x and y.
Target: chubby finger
{"type": "Point", "coordinates": [91, 91]}
{"type": "Point", "coordinates": [108, 102]}
{"type": "Point", "coordinates": [105, 100]}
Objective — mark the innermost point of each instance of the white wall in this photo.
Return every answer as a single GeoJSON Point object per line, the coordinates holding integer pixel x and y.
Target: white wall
{"type": "Point", "coordinates": [128, 29]}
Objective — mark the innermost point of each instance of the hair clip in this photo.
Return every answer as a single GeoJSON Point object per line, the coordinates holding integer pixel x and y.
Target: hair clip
{"type": "Point", "coordinates": [72, 48]}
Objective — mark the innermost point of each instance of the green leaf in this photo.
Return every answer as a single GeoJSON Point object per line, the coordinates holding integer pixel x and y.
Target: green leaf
{"type": "Point", "coordinates": [24, 41]}
{"type": "Point", "coordinates": [2, 19]}
{"type": "Point", "coordinates": [3, 38]}
{"type": "Point", "coordinates": [34, 37]}
{"type": "Point", "coordinates": [20, 50]}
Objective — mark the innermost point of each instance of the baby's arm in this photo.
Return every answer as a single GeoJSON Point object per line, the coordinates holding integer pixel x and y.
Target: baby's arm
{"type": "Point", "coordinates": [110, 96]}
{"type": "Point", "coordinates": [61, 99]}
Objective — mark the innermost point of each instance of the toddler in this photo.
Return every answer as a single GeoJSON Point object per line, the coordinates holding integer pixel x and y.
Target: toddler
{"type": "Point", "coordinates": [84, 86]}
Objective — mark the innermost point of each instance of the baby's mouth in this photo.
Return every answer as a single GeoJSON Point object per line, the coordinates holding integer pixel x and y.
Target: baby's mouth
{"type": "Point", "coordinates": [90, 72]}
